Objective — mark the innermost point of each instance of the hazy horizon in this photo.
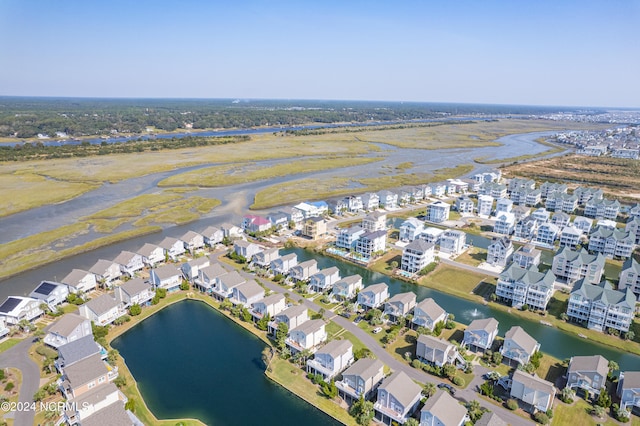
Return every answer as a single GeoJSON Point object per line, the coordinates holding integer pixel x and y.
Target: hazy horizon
{"type": "Point", "coordinates": [547, 53]}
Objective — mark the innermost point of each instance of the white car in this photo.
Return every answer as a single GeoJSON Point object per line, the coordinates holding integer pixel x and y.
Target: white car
{"type": "Point", "coordinates": [377, 330]}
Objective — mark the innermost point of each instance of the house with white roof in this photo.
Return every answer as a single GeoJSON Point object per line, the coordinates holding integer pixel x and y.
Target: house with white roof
{"type": "Point", "coordinates": [102, 310]}
{"type": "Point", "coordinates": [398, 398]}
{"type": "Point", "coordinates": [400, 305]}
{"type": "Point", "coordinates": [505, 223]}
{"type": "Point", "coordinates": [347, 287]}
{"type": "Point", "coordinates": [361, 379]}
{"type": "Point", "coordinates": [129, 262]}
{"type": "Point", "coordinates": [518, 345]}
{"type": "Point", "coordinates": [583, 223]}
{"type": "Point", "coordinates": [307, 335]}
{"type": "Point", "coordinates": [453, 241]}
{"type": "Point", "coordinates": [547, 234]}
{"type": "Point", "coordinates": [438, 211]}
{"type": "Point", "coordinates": [427, 314]}
{"type": "Point", "coordinates": [431, 235]}
{"type": "Point", "coordinates": [560, 219]}
{"type": "Point", "coordinates": [388, 199]}
{"type": "Point", "coordinates": [134, 292]}
{"type": "Point", "coordinates": [436, 351]}
{"type": "Point", "coordinates": [410, 229]}
{"type": "Point", "coordinates": [527, 256]}
{"type": "Point", "coordinates": [348, 237]}
{"type": "Point", "coordinates": [485, 205]}
{"type": "Point", "coordinates": [17, 308]}
{"type": "Point", "coordinates": [570, 236]}
{"type": "Point", "coordinates": [172, 247]}
{"type": "Point", "coordinates": [51, 293]}
{"type": "Point", "coordinates": [480, 334]}
{"type": "Point", "coordinates": [324, 279]}
{"type": "Point", "coordinates": [80, 281]}
{"type": "Point", "coordinates": [526, 228]}
{"type": "Point", "coordinates": [66, 329]}
{"type": "Point", "coordinates": [370, 201]}
{"type": "Point", "coordinates": [230, 230]}
{"type": "Point", "coordinates": [417, 255]}
{"type": "Point", "coordinates": [443, 410]}
{"type": "Point", "coordinates": [331, 359]}
{"type": "Point", "coordinates": [503, 205]}
{"type": "Point", "coordinates": [247, 293]}
{"type": "Point", "coordinates": [167, 276]}
{"type": "Point", "coordinates": [151, 254]}
{"type": "Point", "coordinates": [373, 296]}
{"type": "Point", "coordinates": [374, 221]}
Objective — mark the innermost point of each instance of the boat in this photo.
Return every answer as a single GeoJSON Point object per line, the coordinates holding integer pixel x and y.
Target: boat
{"type": "Point", "coordinates": [547, 323]}
{"type": "Point", "coordinates": [583, 336]}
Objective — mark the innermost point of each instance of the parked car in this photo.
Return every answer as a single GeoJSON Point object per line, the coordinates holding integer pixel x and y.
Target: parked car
{"type": "Point", "coordinates": [377, 330]}
{"type": "Point", "coordinates": [357, 320]}
{"type": "Point", "coordinates": [345, 314]}
{"type": "Point", "coordinates": [448, 387]}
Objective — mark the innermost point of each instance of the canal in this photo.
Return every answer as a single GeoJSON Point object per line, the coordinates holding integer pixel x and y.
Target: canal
{"type": "Point", "coordinates": [190, 361]}
{"type": "Point", "coordinates": [555, 342]}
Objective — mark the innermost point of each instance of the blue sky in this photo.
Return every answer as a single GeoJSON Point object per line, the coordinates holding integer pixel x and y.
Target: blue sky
{"type": "Point", "coordinates": [573, 53]}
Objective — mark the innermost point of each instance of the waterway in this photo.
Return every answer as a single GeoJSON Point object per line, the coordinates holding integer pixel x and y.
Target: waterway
{"type": "Point", "coordinates": [555, 342]}
{"type": "Point", "coordinates": [190, 361]}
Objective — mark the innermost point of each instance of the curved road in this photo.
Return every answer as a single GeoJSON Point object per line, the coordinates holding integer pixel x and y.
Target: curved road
{"type": "Point", "coordinates": [18, 357]}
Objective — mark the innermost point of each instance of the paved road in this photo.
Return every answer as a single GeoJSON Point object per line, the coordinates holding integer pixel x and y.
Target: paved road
{"type": "Point", "coordinates": [469, 267]}
{"type": "Point", "coordinates": [18, 357]}
{"type": "Point", "coordinates": [467, 394]}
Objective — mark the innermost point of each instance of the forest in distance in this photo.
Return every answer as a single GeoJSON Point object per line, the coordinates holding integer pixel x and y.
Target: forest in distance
{"type": "Point", "coordinates": [27, 117]}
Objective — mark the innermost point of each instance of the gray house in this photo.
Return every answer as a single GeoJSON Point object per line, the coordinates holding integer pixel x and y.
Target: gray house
{"type": "Point", "coordinates": [361, 379]}
{"type": "Point", "coordinates": [480, 334]}
{"type": "Point", "coordinates": [588, 373]}
{"type": "Point", "coordinates": [519, 345]}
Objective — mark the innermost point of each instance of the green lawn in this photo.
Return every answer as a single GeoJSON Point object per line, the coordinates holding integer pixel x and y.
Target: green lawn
{"type": "Point", "coordinates": [578, 414]}
{"type": "Point", "coordinates": [452, 280]}
{"type": "Point", "coordinates": [474, 256]}
{"type": "Point", "coordinates": [9, 343]}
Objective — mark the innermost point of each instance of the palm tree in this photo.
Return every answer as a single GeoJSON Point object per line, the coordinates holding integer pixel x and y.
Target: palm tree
{"type": "Point", "coordinates": [475, 410]}
{"type": "Point", "coordinates": [428, 389]}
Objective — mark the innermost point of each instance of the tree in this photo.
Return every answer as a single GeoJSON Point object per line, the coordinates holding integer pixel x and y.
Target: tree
{"type": "Point", "coordinates": [567, 395]}
{"type": "Point", "coordinates": [362, 353]}
{"type": "Point", "coordinates": [374, 316]}
{"type": "Point", "coordinates": [449, 370]}
{"type": "Point", "coordinates": [120, 381]}
{"type": "Point", "coordinates": [604, 399]}
{"type": "Point", "coordinates": [630, 335]}
{"type": "Point", "coordinates": [475, 410]}
{"type": "Point", "coordinates": [329, 389]}
{"type": "Point", "coordinates": [487, 389]}
{"type": "Point", "coordinates": [411, 422]}
{"type": "Point", "coordinates": [541, 418]}
{"type": "Point", "coordinates": [535, 359]}
{"type": "Point", "coordinates": [130, 405]}
{"type": "Point", "coordinates": [512, 404]}
{"type": "Point", "coordinates": [428, 390]}
{"type": "Point", "coordinates": [112, 356]}
{"type": "Point", "coordinates": [362, 411]}
{"type": "Point", "coordinates": [281, 335]}
{"type": "Point", "coordinates": [184, 285]}
{"type": "Point", "coordinates": [613, 367]}
{"type": "Point", "coordinates": [246, 315]}
{"type": "Point", "coordinates": [496, 357]}
{"type": "Point", "coordinates": [598, 411]}
{"type": "Point", "coordinates": [135, 310]}
{"type": "Point", "coordinates": [393, 264]}
{"type": "Point", "coordinates": [263, 323]}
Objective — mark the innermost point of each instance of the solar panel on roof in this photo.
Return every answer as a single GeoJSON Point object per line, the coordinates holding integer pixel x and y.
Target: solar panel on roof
{"type": "Point", "coordinates": [9, 304]}
{"type": "Point", "coordinates": [45, 288]}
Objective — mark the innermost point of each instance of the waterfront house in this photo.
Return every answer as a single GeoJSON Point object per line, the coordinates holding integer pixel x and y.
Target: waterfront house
{"type": "Point", "coordinates": [602, 209]}
{"type": "Point", "coordinates": [431, 235]}
{"type": "Point", "coordinates": [541, 215]}
{"type": "Point", "coordinates": [191, 269]}
{"type": "Point", "coordinates": [304, 270]}
{"type": "Point", "coordinates": [173, 247]}
{"type": "Point", "coordinates": [100, 406]}
{"type": "Point", "coordinates": [634, 210]}
{"type": "Point", "coordinates": [400, 305]}
{"type": "Point", "coordinates": [518, 287]}
{"type": "Point", "coordinates": [66, 329]}
{"type": "Point", "coordinates": [443, 410]}
{"type": "Point", "coordinates": [518, 345]}
{"type": "Point", "coordinates": [438, 211]}
{"type": "Point", "coordinates": [129, 262]}
{"type": "Point", "coordinates": [85, 375]}
{"type": "Point", "coordinates": [151, 254]}
{"type": "Point", "coordinates": [255, 223]}
{"type": "Point", "coordinates": [549, 188]}
{"type": "Point", "coordinates": [404, 197]}
{"type": "Point", "coordinates": [314, 228]}
{"type": "Point", "coordinates": [264, 258]}
{"type": "Point", "coordinates": [560, 219]}
{"type": "Point", "coordinates": [246, 249]}
{"type": "Point", "coordinates": [167, 276]}
{"type": "Point", "coordinates": [630, 276]}
{"type": "Point", "coordinates": [436, 351]}
{"type": "Point", "coordinates": [526, 228]}
{"type": "Point", "coordinates": [324, 279]}
{"type": "Point", "coordinates": [587, 194]}
{"type": "Point", "coordinates": [633, 228]}
{"type": "Point", "coordinates": [283, 264]}
{"type": "Point", "coordinates": [77, 350]}
{"type": "Point", "coordinates": [230, 230]}
{"type": "Point", "coordinates": [417, 255]}
{"type": "Point", "coordinates": [480, 334]}
{"type": "Point", "coordinates": [388, 199]}
{"type": "Point", "coordinates": [503, 205]}
{"type": "Point", "coordinates": [224, 285]}
{"type": "Point", "coordinates": [464, 205]}
{"type": "Point", "coordinates": [247, 293]}
{"type": "Point", "coordinates": [347, 237]}
{"type": "Point", "coordinates": [353, 203]}
{"type": "Point", "coordinates": [192, 241]}
{"type": "Point", "coordinates": [519, 196]}
{"type": "Point", "coordinates": [398, 398]}
{"type": "Point", "coordinates": [516, 183]}
{"type": "Point", "coordinates": [347, 288]}
{"type": "Point", "coordinates": [373, 296]}
{"type": "Point", "coordinates": [547, 234]}
{"type": "Point", "coordinates": [17, 308]}
{"type": "Point", "coordinates": [102, 310]}
{"type": "Point", "coordinates": [209, 276]}
{"type": "Point", "coordinates": [611, 242]}
{"type": "Point", "coordinates": [135, 291]}
{"type": "Point", "coordinates": [361, 379]}
{"type": "Point", "coordinates": [306, 336]}
{"type": "Point", "coordinates": [499, 251]}
{"type": "Point", "coordinates": [600, 307]}
{"type": "Point", "coordinates": [3, 328]}
{"type": "Point", "coordinates": [307, 210]}
{"type": "Point", "coordinates": [106, 272]}
{"type": "Point", "coordinates": [485, 205]}
{"type": "Point", "coordinates": [427, 314]}
{"type": "Point", "coordinates": [293, 316]}
{"type": "Point", "coordinates": [374, 221]}
{"type": "Point", "coordinates": [536, 393]}
{"type": "Point", "coordinates": [51, 293]}
{"type": "Point", "coordinates": [571, 265]}
{"type": "Point", "coordinates": [505, 223]}
{"type": "Point", "coordinates": [371, 243]}
{"type": "Point", "coordinates": [453, 242]}
{"type": "Point", "coordinates": [80, 281]}
{"type": "Point", "coordinates": [570, 237]}
{"type": "Point", "coordinates": [629, 390]}
{"type": "Point", "coordinates": [212, 236]}
{"type": "Point", "coordinates": [331, 359]}
{"type": "Point", "coordinates": [583, 223]}
{"type": "Point", "coordinates": [438, 189]}
{"type": "Point", "coordinates": [410, 229]}
{"type": "Point", "coordinates": [370, 201]}
{"type": "Point", "coordinates": [588, 373]}
{"type": "Point", "coordinates": [527, 256]}
{"type": "Point", "coordinates": [496, 190]}
{"type": "Point", "coordinates": [271, 305]}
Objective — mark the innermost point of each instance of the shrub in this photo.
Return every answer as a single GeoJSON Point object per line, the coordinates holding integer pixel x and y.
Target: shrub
{"type": "Point", "coordinates": [2, 375]}
{"type": "Point", "coordinates": [9, 387]}
{"type": "Point", "coordinates": [120, 381]}
{"type": "Point", "coordinates": [416, 363]}
{"type": "Point", "coordinates": [458, 381]}
{"type": "Point", "coordinates": [512, 404]}
{"type": "Point", "coordinates": [184, 285]}
{"type": "Point", "coordinates": [135, 310]}
{"type": "Point", "coordinates": [39, 395]}
{"type": "Point", "coordinates": [541, 418]}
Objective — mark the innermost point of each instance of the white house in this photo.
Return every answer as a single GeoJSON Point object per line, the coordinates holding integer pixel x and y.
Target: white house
{"type": "Point", "coordinates": [527, 256]}
{"type": "Point", "coordinates": [499, 251]}
{"type": "Point", "coordinates": [588, 373]}
{"type": "Point", "coordinates": [410, 229]}
{"type": "Point", "coordinates": [427, 314]}
{"type": "Point", "coordinates": [151, 254]}
{"type": "Point", "coordinates": [518, 287]}
{"type": "Point", "coordinates": [388, 199]}
{"type": "Point", "coordinates": [361, 379]}
{"type": "Point", "coordinates": [80, 281]}
{"type": "Point", "coordinates": [134, 291]}
{"type": "Point", "coordinates": [537, 393]}
{"type": "Point", "coordinates": [518, 345]}
{"type": "Point", "coordinates": [51, 293]}
{"type": "Point", "coordinates": [331, 359]}
{"type": "Point", "coordinates": [271, 305]}
{"type": "Point", "coordinates": [66, 329]}
{"type": "Point", "coordinates": [480, 334]}
{"type": "Point", "coordinates": [106, 271]}
{"type": "Point", "coordinates": [307, 335]}
{"type": "Point", "coordinates": [400, 305]}
{"type": "Point", "coordinates": [192, 241]}
{"type": "Point", "coordinates": [347, 237]}
{"type": "Point", "coordinates": [373, 296]}
{"type": "Point", "coordinates": [283, 264]}
{"type": "Point", "coordinates": [443, 410]}
{"type": "Point", "coordinates": [438, 211]}
{"type": "Point", "coordinates": [167, 276]}
{"type": "Point", "coordinates": [436, 351]}
{"type": "Point", "coordinates": [324, 279]}
{"type": "Point", "coordinates": [246, 249]}
{"type": "Point", "coordinates": [292, 317]}
{"type": "Point", "coordinates": [212, 236]}
{"type": "Point", "coordinates": [247, 293]}
{"type": "Point", "coordinates": [224, 285]}
{"type": "Point", "coordinates": [264, 258]}
{"type": "Point", "coordinates": [209, 276]}
{"type": "Point", "coordinates": [573, 265]}
{"type": "Point", "coordinates": [172, 247]}
{"type": "Point", "coordinates": [102, 310]}
{"type": "Point", "coordinates": [485, 205]}
{"type": "Point", "coordinates": [129, 262]}
{"type": "Point", "coordinates": [630, 276]}
{"type": "Point", "coordinates": [570, 237]}
{"type": "Point", "coordinates": [398, 398]}
{"type": "Point", "coordinates": [375, 221]}
{"type": "Point", "coordinates": [16, 309]}
{"type": "Point", "coordinates": [600, 307]}
{"type": "Point", "coordinates": [347, 287]}
{"type": "Point", "coordinates": [629, 389]}
{"type": "Point", "coordinates": [303, 271]}
{"type": "Point", "coordinates": [191, 269]}
{"type": "Point", "coordinates": [583, 223]}
{"type": "Point", "coordinates": [417, 255]}
{"type": "Point", "coordinates": [464, 205]}
{"type": "Point", "coordinates": [505, 223]}
{"type": "Point", "coordinates": [547, 234]}
{"type": "Point", "coordinates": [370, 201]}
{"type": "Point", "coordinates": [453, 241]}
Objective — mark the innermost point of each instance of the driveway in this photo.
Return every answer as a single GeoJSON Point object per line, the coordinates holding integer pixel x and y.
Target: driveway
{"type": "Point", "coordinates": [18, 357]}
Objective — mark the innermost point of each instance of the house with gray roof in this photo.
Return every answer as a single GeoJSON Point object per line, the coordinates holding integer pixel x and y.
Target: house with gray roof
{"type": "Point", "coordinates": [51, 293]}
{"type": "Point", "coordinates": [152, 254]}
{"type": "Point", "coordinates": [172, 247]}
{"type": "Point", "coordinates": [453, 241]}
{"type": "Point", "coordinates": [583, 223]}
{"type": "Point", "coordinates": [570, 236]}
{"type": "Point", "coordinates": [247, 293]}
{"type": "Point", "coordinates": [560, 219]}
{"type": "Point", "coordinates": [436, 351]}
{"type": "Point", "coordinates": [324, 279]}
{"type": "Point", "coordinates": [209, 277]}
{"type": "Point", "coordinates": [629, 389]}
{"type": "Point", "coordinates": [417, 255]}
{"type": "Point", "coordinates": [490, 418]}
{"type": "Point", "coordinates": [192, 241]}
{"type": "Point", "coordinates": [77, 350]}
{"type": "Point", "coordinates": [167, 276]}
{"type": "Point", "coordinates": [588, 373]}
{"type": "Point", "coordinates": [307, 335]}
{"type": "Point", "coordinates": [100, 406]}
{"type": "Point", "coordinates": [293, 316]}
{"type": "Point", "coordinates": [410, 229]}
{"type": "Point", "coordinates": [129, 262]}
{"type": "Point", "coordinates": [223, 288]}
{"type": "Point", "coordinates": [82, 376]}
{"type": "Point", "coordinates": [191, 269]}
{"type": "Point", "coordinates": [246, 249]}
{"type": "Point", "coordinates": [427, 314]}
{"type": "Point", "coordinates": [361, 379]}
{"type": "Point", "coordinates": [371, 243]}
{"type": "Point", "coordinates": [348, 237]}
{"type": "Point", "coordinates": [136, 291]}
{"type": "Point", "coordinates": [265, 257]}
{"type": "Point", "coordinates": [571, 266]}
{"type": "Point", "coordinates": [303, 271]}
{"type": "Point", "coordinates": [106, 272]}
{"type": "Point", "coordinates": [373, 296]}
{"type": "Point", "coordinates": [518, 345]}
{"type": "Point", "coordinates": [271, 305]}
{"type": "Point", "coordinates": [480, 334]}
{"type": "Point", "coordinates": [398, 398]}
{"type": "Point", "coordinates": [600, 307]}
{"type": "Point", "coordinates": [633, 228]}
{"type": "Point", "coordinates": [443, 410]}
{"type": "Point", "coordinates": [212, 236]}
{"type": "Point", "coordinates": [331, 359]}
{"type": "Point", "coordinates": [534, 392]}
{"type": "Point", "coordinates": [80, 281]}
{"type": "Point", "coordinates": [630, 276]}
{"type": "Point", "coordinates": [499, 251]}
{"type": "Point", "coordinates": [283, 264]}
{"type": "Point", "coordinates": [602, 209]}
{"type": "Point", "coordinates": [613, 243]}
{"type": "Point", "coordinates": [527, 256]}
{"type": "Point", "coordinates": [102, 310]}
{"type": "Point", "coordinates": [400, 305]}
{"type": "Point", "coordinates": [347, 287]}
{"type": "Point", "coordinates": [66, 329]}
{"type": "Point", "coordinates": [518, 287]}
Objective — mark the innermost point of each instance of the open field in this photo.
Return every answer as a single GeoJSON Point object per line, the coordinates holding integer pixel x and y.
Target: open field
{"type": "Point", "coordinates": [248, 172]}
{"type": "Point", "coordinates": [453, 280]}
{"type": "Point", "coordinates": [617, 177]}
{"type": "Point", "coordinates": [315, 189]}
